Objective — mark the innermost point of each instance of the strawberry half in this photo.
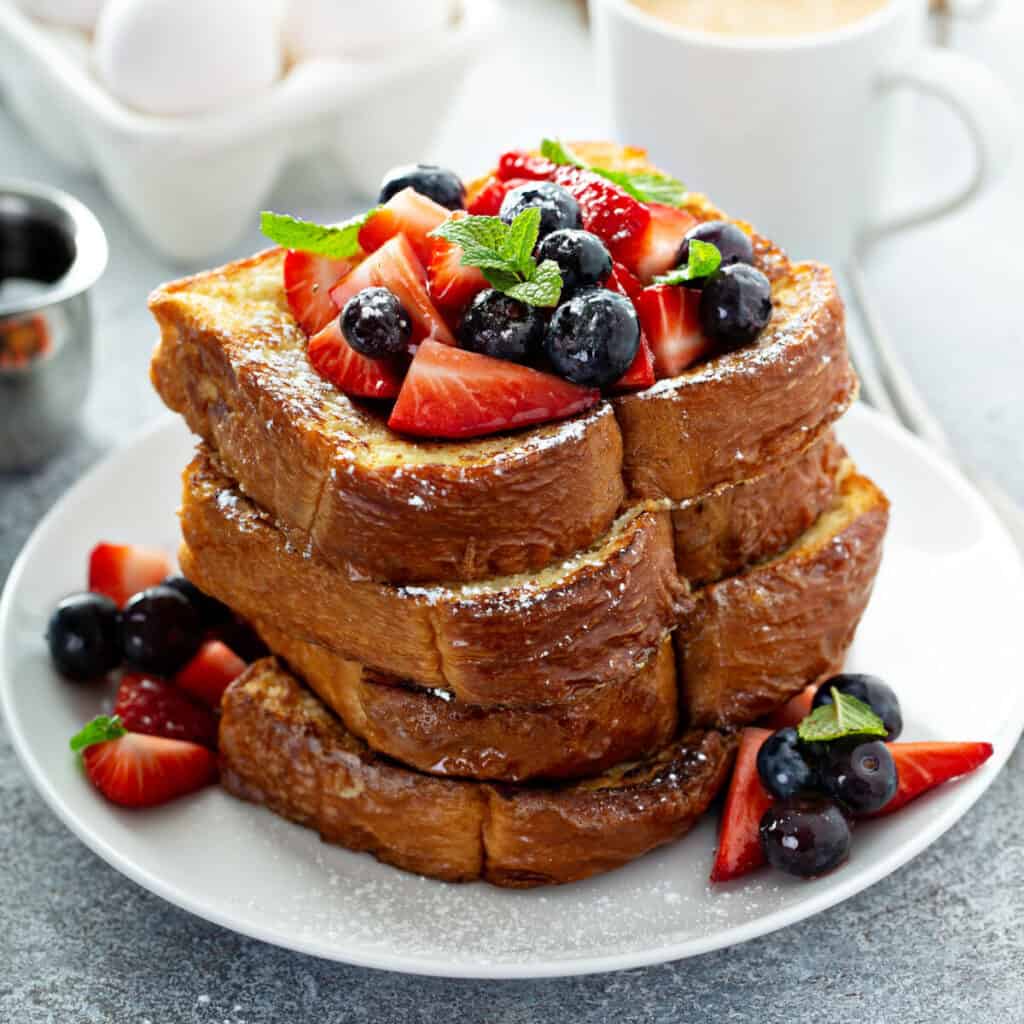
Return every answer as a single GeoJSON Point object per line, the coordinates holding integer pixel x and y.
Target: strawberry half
{"type": "Point", "coordinates": [348, 370]}
{"type": "Point", "coordinates": [121, 570]}
{"type": "Point", "coordinates": [136, 770]}
{"type": "Point", "coordinates": [396, 266]}
{"type": "Point", "coordinates": [739, 840]}
{"type": "Point", "coordinates": [519, 163]}
{"type": "Point", "coordinates": [623, 281]}
{"type": "Point", "coordinates": [793, 712]}
{"type": "Point", "coordinates": [670, 317]}
{"type": "Point", "coordinates": [308, 281]}
{"type": "Point", "coordinates": [408, 213]}
{"type": "Point", "coordinates": [214, 668]}
{"type": "Point", "coordinates": [656, 251]}
{"type": "Point", "coordinates": [641, 374]}
{"type": "Point", "coordinates": [487, 202]}
{"type": "Point", "coordinates": [451, 284]}
{"type": "Point", "coordinates": [449, 392]}
{"type": "Point", "coordinates": [923, 766]}
{"type": "Point", "coordinates": [159, 709]}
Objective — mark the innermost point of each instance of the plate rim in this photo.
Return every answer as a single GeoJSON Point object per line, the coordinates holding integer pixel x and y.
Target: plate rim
{"type": "Point", "coordinates": [846, 885]}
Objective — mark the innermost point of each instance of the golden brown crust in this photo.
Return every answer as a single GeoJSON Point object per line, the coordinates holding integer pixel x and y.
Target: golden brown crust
{"type": "Point", "coordinates": [432, 732]}
{"type": "Point", "coordinates": [757, 639]}
{"type": "Point", "coordinates": [594, 618]}
{"type": "Point", "coordinates": [281, 748]}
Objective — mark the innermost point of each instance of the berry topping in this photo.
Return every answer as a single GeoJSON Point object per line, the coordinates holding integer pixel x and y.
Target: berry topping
{"type": "Point", "coordinates": [582, 258]}
{"type": "Point", "coordinates": [121, 570]}
{"type": "Point", "coordinates": [160, 709]}
{"type": "Point", "coordinates": [452, 284]}
{"type": "Point", "coordinates": [407, 213]}
{"type": "Point", "coordinates": [793, 712]}
{"type": "Point", "coordinates": [160, 631]}
{"type": "Point", "coordinates": [869, 690]}
{"type": "Point", "coordinates": [593, 338]}
{"type": "Point", "coordinates": [624, 282]}
{"type": "Point", "coordinates": [518, 163]}
{"type": "Point", "coordinates": [308, 280]}
{"type": "Point", "coordinates": [558, 209]}
{"type": "Point", "coordinates": [656, 250]}
{"type": "Point", "coordinates": [241, 638]}
{"type": "Point", "coordinates": [498, 325]}
{"type": "Point", "coordinates": [83, 636]}
{"type": "Point", "coordinates": [449, 392]}
{"type": "Point", "coordinates": [210, 672]}
{"type": "Point", "coordinates": [923, 766]}
{"type": "Point", "coordinates": [670, 318]}
{"type": "Point", "coordinates": [395, 266]}
{"type": "Point", "coordinates": [487, 202]}
{"type": "Point", "coordinates": [736, 305]}
{"type": "Point", "coordinates": [376, 324]}
{"type": "Point", "coordinates": [641, 374]}
{"type": "Point", "coordinates": [211, 612]}
{"type": "Point", "coordinates": [444, 187]}
{"type": "Point", "coordinates": [806, 835]}
{"type": "Point", "coordinates": [337, 361]}
{"type": "Point", "coordinates": [136, 770]}
{"type": "Point", "coordinates": [781, 764]}
{"type": "Point", "coordinates": [732, 242]}
{"type": "Point", "coordinates": [859, 773]}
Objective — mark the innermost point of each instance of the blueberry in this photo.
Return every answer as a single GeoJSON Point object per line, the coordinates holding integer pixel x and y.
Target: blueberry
{"type": "Point", "coordinates": [593, 338]}
{"type": "Point", "coordinates": [736, 305]}
{"type": "Point", "coordinates": [376, 324]}
{"type": "Point", "coordinates": [582, 257]}
{"type": "Point", "coordinates": [243, 639]}
{"type": "Point", "coordinates": [806, 835]}
{"type": "Point", "coordinates": [733, 243]}
{"type": "Point", "coordinates": [437, 183]}
{"type": "Point", "coordinates": [871, 691]}
{"type": "Point", "coordinates": [211, 611]}
{"type": "Point", "coordinates": [160, 631]}
{"type": "Point", "coordinates": [558, 209]}
{"type": "Point", "coordinates": [859, 772]}
{"type": "Point", "coordinates": [782, 766]}
{"type": "Point", "coordinates": [498, 325]}
{"type": "Point", "coordinates": [83, 637]}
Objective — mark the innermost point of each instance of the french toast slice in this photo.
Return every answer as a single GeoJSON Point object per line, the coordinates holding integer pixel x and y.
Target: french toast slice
{"type": "Point", "coordinates": [758, 638]}
{"type": "Point", "coordinates": [282, 748]}
{"type": "Point", "coordinates": [431, 731]}
{"type": "Point", "coordinates": [526, 639]}
{"type": "Point", "coordinates": [231, 360]}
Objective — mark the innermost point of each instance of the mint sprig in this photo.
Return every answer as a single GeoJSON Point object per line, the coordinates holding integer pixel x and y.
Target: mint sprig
{"type": "Point", "coordinates": [99, 730]}
{"type": "Point", "coordinates": [647, 186]}
{"type": "Point", "coordinates": [845, 716]}
{"type": "Point", "coordinates": [504, 252]}
{"type": "Point", "coordinates": [336, 242]}
{"type": "Point", "coordinates": [704, 260]}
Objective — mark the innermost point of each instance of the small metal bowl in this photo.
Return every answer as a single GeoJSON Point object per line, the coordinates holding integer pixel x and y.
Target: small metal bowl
{"type": "Point", "coordinates": [52, 251]}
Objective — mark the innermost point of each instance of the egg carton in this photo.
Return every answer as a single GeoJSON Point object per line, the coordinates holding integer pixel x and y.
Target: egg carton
{"type": "Point", "coordinates": [193, 184]}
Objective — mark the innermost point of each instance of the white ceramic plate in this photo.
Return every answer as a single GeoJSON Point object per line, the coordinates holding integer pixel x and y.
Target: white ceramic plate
{"type": "Point", "coordinates": [944, 628]}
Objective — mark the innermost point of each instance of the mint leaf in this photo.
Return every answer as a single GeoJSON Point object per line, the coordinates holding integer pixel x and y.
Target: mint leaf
{"type": "Point", "coordinates": [336, 242]}
{"type": "Point", "coordinates": [99, 730]}
{"type": "Point", "coordinates": [543, 288]}
{"type": "Point", "coordinates": [521, 239]}
{"type": "Point", "coordinates": [481, 240]}
{"type": "Point", "coordinates": [502, 280]}
{"type": "Point", "coordinates": [704, 260]}
{"type": "Point", "coordinates": [845, 716]}
{"type": "Point", "coordinates": [558, 153]}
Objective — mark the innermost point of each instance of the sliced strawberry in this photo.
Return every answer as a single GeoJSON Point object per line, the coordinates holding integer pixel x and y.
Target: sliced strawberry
{"type": "Point", "coordinates": [396, 266]}
{"type": "Point", "coordinates": [611, 214]}
{"type": "Point", "coordinates": [137, 770]}
{"type": "Point", "coordinates": [349, 371]}
{"type": "Point", "coordinates": [308, 281]}
{"type": "Point", "coordinates": [793, 712]}
{"type": "Point", "coordinates": [409, 213]}
{"type": "Point", "coordinates": [670, 317]}
{"type": "Point", "coordinates": [160, 709]}
{"type": "Point", "coordinates": [656, 251]}
{"type": "Point", "coordinates": [923, 766]}
{"type": "Point", "coordinates": [624, 282]}
{"type": "Point", "coordinates": [121, 570]}
{"type": "Point", "coordinates": [451, 284]}
{"type": "Point", "coordinates": [519, 163]}
{"type": "Point", "coordinates": [641, 374]}
{"type": "Point", "coordinates": [450, 392]}
{"type": "Point", "coordinates": [487, 202]}
{"type": "Point", "coordinates": [739, 841]}
{"type": "Point", "coordinates": [214, 668]}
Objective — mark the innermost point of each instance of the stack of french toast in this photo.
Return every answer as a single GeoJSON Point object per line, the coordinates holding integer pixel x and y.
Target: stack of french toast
{"type": "Point", "coordinates": [523, 657]}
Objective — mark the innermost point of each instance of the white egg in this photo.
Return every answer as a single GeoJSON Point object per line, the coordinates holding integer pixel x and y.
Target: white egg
{"type": "Point", "coordinates": [79, 13]}
{"type": "Point", "coordinates": [360, 28]}
{"type": "Point", "coordinates": [187, 56]}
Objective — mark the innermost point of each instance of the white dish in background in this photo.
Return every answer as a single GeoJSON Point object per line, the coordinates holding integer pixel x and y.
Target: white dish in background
{"type": "Point", "coordinates": [193, 184]}
{"type": "Point", "coordinates": [944, 628]}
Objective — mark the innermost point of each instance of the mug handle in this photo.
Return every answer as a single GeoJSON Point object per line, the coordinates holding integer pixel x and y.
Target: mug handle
{"type": "Point", "coordinates": [987, 110]}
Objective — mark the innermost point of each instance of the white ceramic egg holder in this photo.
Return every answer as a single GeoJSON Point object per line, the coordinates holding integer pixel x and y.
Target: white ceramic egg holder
{"type": "Point", "coordinates": [193, 184]}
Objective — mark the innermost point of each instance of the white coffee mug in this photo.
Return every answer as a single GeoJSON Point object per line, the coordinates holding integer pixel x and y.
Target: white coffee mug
{"type": "Point", "coordinates": [794, 133]}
